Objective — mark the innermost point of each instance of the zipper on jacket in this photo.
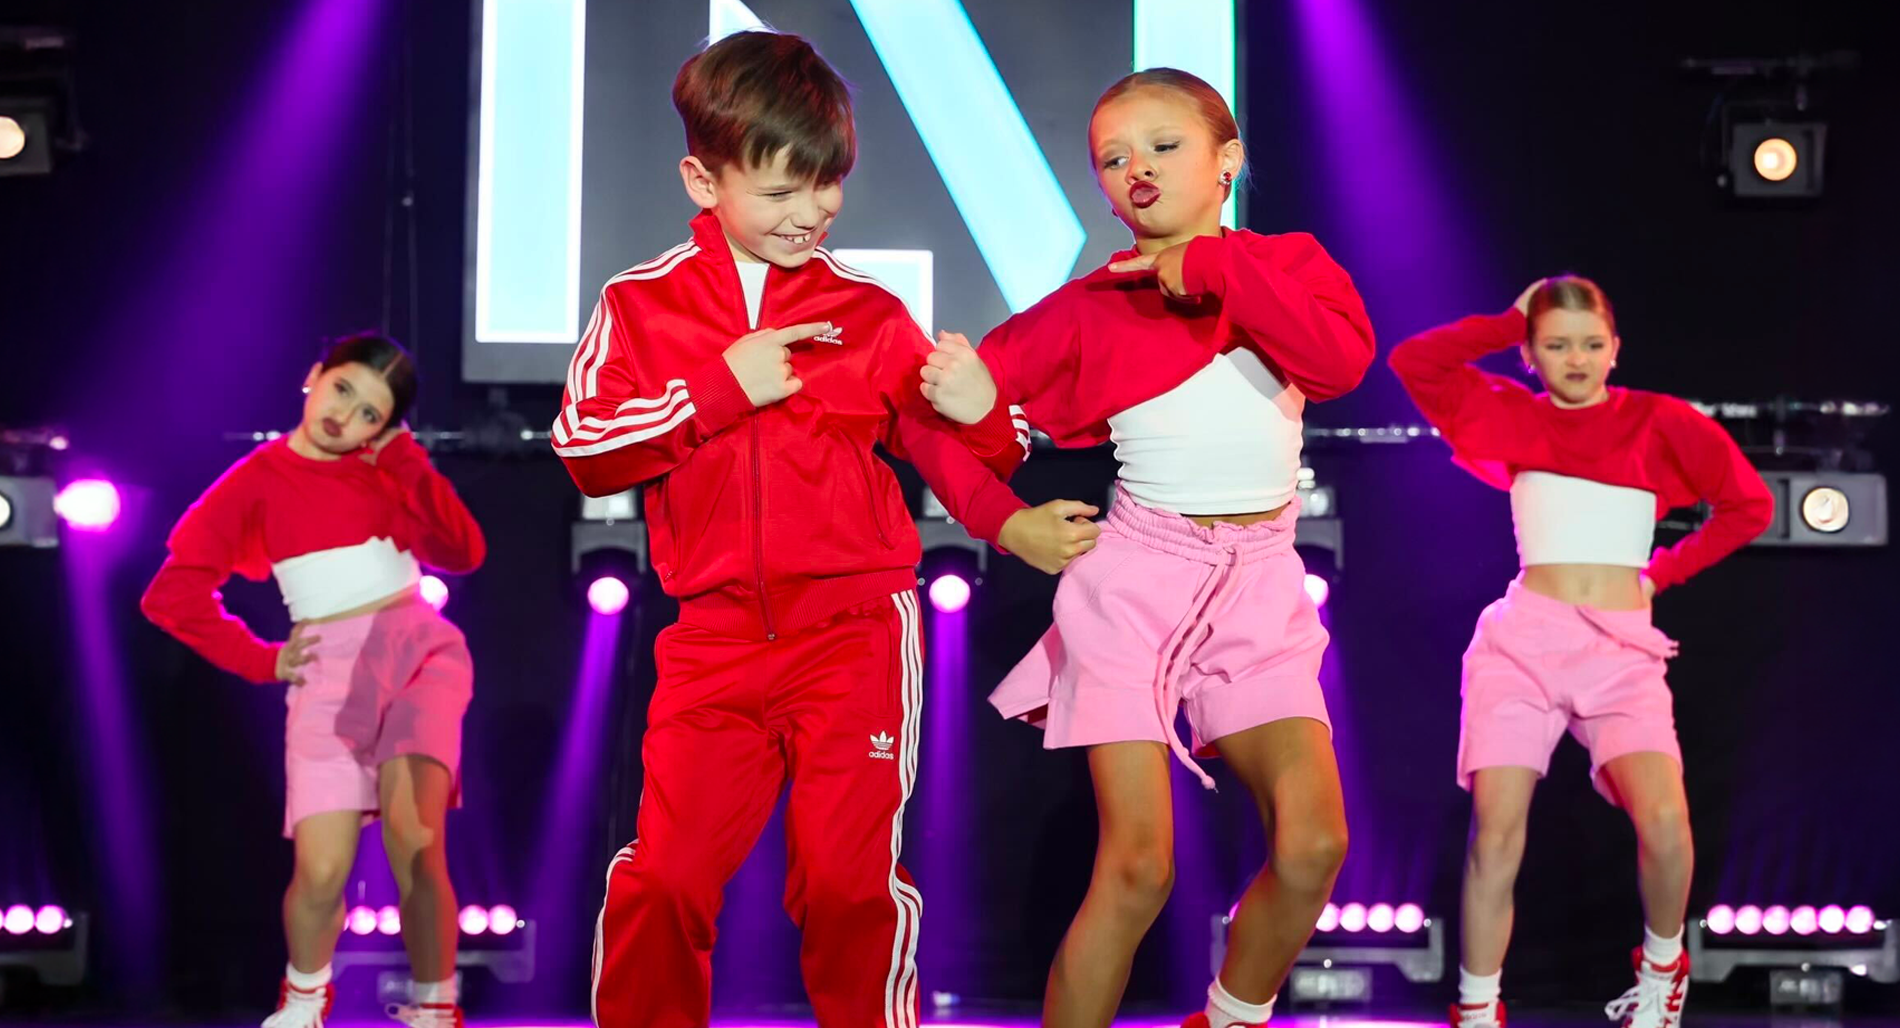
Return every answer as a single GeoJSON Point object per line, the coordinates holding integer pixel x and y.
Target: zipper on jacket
{"type": "Point", "coordinates": [758, 476]}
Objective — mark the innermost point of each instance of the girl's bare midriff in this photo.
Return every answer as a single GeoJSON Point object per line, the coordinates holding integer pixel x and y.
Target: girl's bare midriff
{"type": "Point", "coordinates": [1603, 586]}
{"type": "Point", "coordinates": [1210, 520]}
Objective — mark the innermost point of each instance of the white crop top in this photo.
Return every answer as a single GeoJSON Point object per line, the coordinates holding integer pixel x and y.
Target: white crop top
{"type": "Point", "coordinates": [326, 582]}
{"type": "Point", "coordinates": [1566, 520]}
{"type": "Point", "coordinates": [1226, 441]}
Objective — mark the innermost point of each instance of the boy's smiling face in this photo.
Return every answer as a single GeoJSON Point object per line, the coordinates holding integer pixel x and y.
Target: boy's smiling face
{"type": "Point", "coordinates": [769, 215]}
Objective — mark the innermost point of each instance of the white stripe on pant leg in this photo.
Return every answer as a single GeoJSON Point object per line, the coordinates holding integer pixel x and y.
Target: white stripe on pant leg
{"type": "Point", "coordinates": [894, 980]}
{"type": "Point", "coordinates": [913, 709]}
{"type": "Point", "coordinates": [600, 922]}
{"type": "Point", "coordinates": [900, 982]}
{"type": "Point", "coordinates": [913, 716]}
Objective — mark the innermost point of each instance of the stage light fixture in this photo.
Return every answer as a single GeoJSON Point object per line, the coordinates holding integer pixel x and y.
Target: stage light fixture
{"type": "Point", "coordinates": [1771, 159]}
{"type": "Point", "coordinates": [1805, 947]}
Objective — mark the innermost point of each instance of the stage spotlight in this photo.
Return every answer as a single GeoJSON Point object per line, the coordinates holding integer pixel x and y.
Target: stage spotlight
{"type": "Point", "coordinates": [1351, 939]}
{"type": "Point", "coordinates": [37, 113]}
{"type": "Point", "coordinates": [608, 595]}
{"type": "Point", "coordinates": [51, 919]}
{"type": "Point", "coordinates": [1859, 920]}
{"type": "Point", "coordinates": [362, 921]}
{"type": "Point", "coordinates": [502, 919]}
{"type": "Point", "coordinates": [1352, 917]}
{"type": "Point", "coordinates": [1771, 159]}
{"type": "Point", "coordinates": [1833, 919]}
{"type": "Point", "coordinates": [610, 550]}
{"type": "Point", "coordinates": [1805, 947]}
{"type": "Point", "coordinates": [1826, 509]}
{"type": "Point", "coordinates": [6, 511]}
{"type": "Point", "coordinates": [26, 143]}
{"type": "Point", "coordinates": [1328, 918]}
{"type": "Point", "coordinates": [435, 592]}
{"type": "Point", "coordinates": [1318, 589]}
{"type": "Point", "coordinates": [389, 921]}
{"type": "Point", "coordinates": [949, 593]}
{"type": "Point", "coordinates": [89, 505]}
{"type": "Point", "coordinates": [1720, 919]}
{"type": "Point", "coordinates": [26, 512]}
{"type": "Point", "coordinates": [1775, 159]}
{"type": "Point", "coordinates": [47, 942]}
{"type": "Point", "coordinates": [12, 137]}
{"type": "Point", "coordinates": [1774, 920]}
{"type": "Point", "coordinates": [953, 564]}
{"type": "Point", "coordinates": [493, 936]}
{"type": "Point", "coordinates": [474, 920]}
{"type": "Point", "coordinates": [1409, 918]}
{"type": "Point", "coordinates": [18, 920]}
{"type": "Point", "coordinates": [1804, 920]}
{"type": "Point", "coordinates": [1380, 917]}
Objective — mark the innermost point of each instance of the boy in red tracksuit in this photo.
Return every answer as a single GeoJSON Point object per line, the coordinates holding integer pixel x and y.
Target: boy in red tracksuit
{"type": "Point", "coordinates": [743, 378]}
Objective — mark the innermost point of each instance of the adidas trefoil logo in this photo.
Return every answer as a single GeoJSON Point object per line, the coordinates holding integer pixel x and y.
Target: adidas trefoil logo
{"type": "Point", "coordinates": [831, 334]}
{"type": "Point", "coordinates": [883, 742]}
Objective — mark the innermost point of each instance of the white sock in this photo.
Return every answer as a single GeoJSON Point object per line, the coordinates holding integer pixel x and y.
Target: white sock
{"type": "Point", "coordinates": [1660, 951]}
{"type": "Point", "coordinates": [436, 992]}
{"type": "Point", "coordinates": [1223, 1010]}
{"type": "Point", "coordinates": [1474, 989]}
{"type": "Point", "coordinates": [310, 982]}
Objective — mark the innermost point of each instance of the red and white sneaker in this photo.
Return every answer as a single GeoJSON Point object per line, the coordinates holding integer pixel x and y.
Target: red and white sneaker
{"type": "Point", "coordinates": [1198, 1019]}
{"type": "Point", "coordinates": [1477, 1015]}
{"type": "Point", "coordinates": [301, 1008]}
{"type": "Point", "coordinates": [427, 1015]}
{"type": "Point", "coordinates": [1655, 1001]}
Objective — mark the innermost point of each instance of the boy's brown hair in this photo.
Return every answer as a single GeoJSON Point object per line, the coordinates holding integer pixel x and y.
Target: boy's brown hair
{"type": "Point", "coordinates": [753, 94]}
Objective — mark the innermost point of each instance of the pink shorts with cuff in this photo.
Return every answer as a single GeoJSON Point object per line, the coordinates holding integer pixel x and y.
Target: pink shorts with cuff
{"type": "Point", "coordinates": [1164, 614]}
{"type": "Point", "coordinates": [383, 685]}
{"type": "Point", "coordinates": [1538, 665]}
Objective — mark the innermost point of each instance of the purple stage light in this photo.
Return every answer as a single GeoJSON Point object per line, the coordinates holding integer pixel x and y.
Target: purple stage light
{"type": "Point", "coordinates": [1804, 920]}
{"type": "Point", "coordinates": [18, 919]}
{"type": "Point", "coordinates": [1748, 919]}
{"type": "Point", "coordinates": [1859, 919]}
{"type": "Point", "coordinates": [51, 919]}
{"type": "Point", "coordinates": [502, 919]}
{"type": "Point", "coordinates": [1410, 917]}
{"type": "Point", "coordinates": [1352, 917]}
{"type": "Point", "coordinates": [89, 505]}
{"type": "Point", "coordinates": [1318, 589]}
{"type": "Point", "coordinates": [389, 921]}
{"type": "Point", "coordinates": [1328, 918]}
{"type": "Point", "coordinates": [1774, 920]}
{"type": "Point", "coordinates": [1720, 919]}
{"type": "Point", "coordinates": [1380, 917]}
{"type": "Point", "coordinates": [474, 920]}
{"type": "Point", "coordinates": [435, 592]}
{"type": "Point", "coordinates": [608, 595]}
{"type": "Point", "coordinates": [362, 921]}
{"type": "Point", "coordinates": [949, 593]}
{"type": "Point", "coordinates": [1832, 918]}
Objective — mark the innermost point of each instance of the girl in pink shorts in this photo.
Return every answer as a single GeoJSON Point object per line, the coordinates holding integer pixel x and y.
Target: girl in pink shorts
{"type": "Point", "coordinates": [1570, 646]}
{"type": "Point", "coordinates": [1194, 352]}
{"type": "Point", "coordinates": [342, 511]}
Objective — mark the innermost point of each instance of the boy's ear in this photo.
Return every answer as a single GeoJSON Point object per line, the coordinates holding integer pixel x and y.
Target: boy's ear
{"type": "Point", "coordinates": [700, 183]}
